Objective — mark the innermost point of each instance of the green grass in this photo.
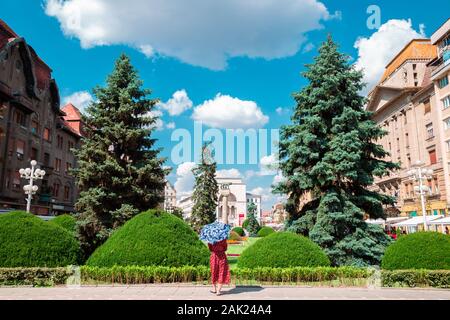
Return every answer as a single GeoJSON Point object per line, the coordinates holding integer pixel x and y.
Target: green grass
{"type": "Point", "coordinates": [238, 249]}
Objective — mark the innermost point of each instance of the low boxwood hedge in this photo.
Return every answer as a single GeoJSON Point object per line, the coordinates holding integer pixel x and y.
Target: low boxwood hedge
{"type": "Point", "coordinates": [38, 277]}
{"type": "Point", "coordinates": [265, 231]}
{"type": "Point", "coordinates": [152, 238]}
{"type": "Point", "coordinates": [420, 250]}
{"type": "Point", "coordinates": [282, 250]}
{"type": "Point", "coordinates": [28, 241]}
{"type": "Point", "coordinates": [416, 278]}
{"type": "Point", "coordinates": [234, 236]}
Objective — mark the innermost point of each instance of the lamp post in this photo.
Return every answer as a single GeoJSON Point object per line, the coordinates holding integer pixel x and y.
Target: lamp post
{"type": "Point", "coordinates": [419, 173]}
{"type": "Point", "coordinates": [31, 174]}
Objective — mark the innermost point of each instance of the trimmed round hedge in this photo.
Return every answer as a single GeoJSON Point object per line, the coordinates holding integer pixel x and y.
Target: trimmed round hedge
{"type": "Point", "coordinates": [155, 238]}
{"type": "Point", "coordinates": [66, 221]}
{"type": "Point", "coordinates": [283, 249]}
{"type": "Point", "coordinates": [240, 231]}
{"type": "Point", "coordinates": [265, 231]}
{"type": "Point", "coordinates": [28, 241]}
{"type": "Point", "coordinates": [420, 250]}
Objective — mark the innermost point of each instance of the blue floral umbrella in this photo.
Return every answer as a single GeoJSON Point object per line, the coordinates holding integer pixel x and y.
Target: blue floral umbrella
{"type": "Point", "coordinates": [215, 232]}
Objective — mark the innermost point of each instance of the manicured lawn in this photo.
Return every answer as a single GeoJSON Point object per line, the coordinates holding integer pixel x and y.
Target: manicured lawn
{"type": "Point", "coordinates": [237, 249]}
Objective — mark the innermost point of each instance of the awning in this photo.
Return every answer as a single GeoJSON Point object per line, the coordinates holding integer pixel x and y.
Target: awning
{"type": "Point", "coordinates": [415, 221]}
{"type": "Point", "coordinates": [445, 221]}
{"type": "Point", "coordinates": [388, 221]}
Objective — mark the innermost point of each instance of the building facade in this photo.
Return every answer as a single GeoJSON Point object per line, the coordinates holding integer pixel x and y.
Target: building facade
{"type": "Point", "coordinates": [170, 197]}
{"type": "Point", "coordinates": [409, 103]}
{"type": "Point", "coordinates": [256, 199]}
{"type": "Point", "coordinates": [33, 127]}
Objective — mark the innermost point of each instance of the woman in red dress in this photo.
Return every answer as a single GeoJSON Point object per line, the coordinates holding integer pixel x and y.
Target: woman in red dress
{"type": "Point", "coordinates": [220, 272]}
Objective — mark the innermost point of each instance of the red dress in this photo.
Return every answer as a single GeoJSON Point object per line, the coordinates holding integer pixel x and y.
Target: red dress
{"type": "Point", "coordinates": [220, 272]}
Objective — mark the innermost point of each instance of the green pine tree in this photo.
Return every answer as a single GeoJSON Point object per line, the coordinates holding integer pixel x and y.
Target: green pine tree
{"type": "Point", "coordinates": [205, 192]}
{"type": "Point", "coordinates": [252, 225]}
{"type": "Point", "coordinates": [329, 152]}
{"type": "Point", "coordinates": [119, 172]}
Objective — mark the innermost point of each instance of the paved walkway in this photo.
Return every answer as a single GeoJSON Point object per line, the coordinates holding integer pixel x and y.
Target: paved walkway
{"type": "Point", "coordinates": [190, 292]}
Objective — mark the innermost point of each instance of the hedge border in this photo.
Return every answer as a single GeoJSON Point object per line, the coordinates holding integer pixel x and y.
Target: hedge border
{"type": "Point", "coordinates": [348, 276]}
{"type": "Point", "coordinates": [416, 278]}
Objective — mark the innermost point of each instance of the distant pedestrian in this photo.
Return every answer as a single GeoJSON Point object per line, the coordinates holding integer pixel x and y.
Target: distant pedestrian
{"type": "Point", "coordinates": [220, 271]}
{"type": "Point", "coordinates": [447, 231]}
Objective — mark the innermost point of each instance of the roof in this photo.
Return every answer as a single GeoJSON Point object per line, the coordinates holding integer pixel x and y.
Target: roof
{"type": "Point", "coordinates": [416, 49]}
{"type": "Point", "coordinates": [441, 221]}
{"type": "Point", "coordinates": [5, 27]}
{"type": "Point", "coordinates": [72, 112]}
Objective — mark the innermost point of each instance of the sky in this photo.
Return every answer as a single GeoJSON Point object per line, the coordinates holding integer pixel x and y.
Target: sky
{"type": "Point", "coordinates": [215, 65]}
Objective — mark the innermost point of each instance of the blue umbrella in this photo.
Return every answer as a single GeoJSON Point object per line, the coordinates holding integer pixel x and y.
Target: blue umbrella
{"type": "Point", "coordinates": [215, 232]}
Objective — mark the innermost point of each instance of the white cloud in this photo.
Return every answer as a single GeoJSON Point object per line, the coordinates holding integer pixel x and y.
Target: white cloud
{"type": "Point", "coordinates": [278, 178]}
{"type": "Point", "coordinates": [171, 125]}
{"type": "Point", "coordinates": [231, 113]}
{"type": "Point", "coordinates": [375, 52]}
{"type": "Point", "coordinates": [80, 99]}
{"type": "Point", "coordinates": [228, 173]}
{"type": "Point", "coordinates": [267, 197]}
{"type": "Point", "coordinates": [147, 50]}
{"type": "Point", "coordinates": [268, 166]}
{"type": "Point", "coordinates": [185, 179]}
{"type": "Point", "coordinates": [179, 103]}
{"type": "Point", "coordinates": [308, 47]}
{"type": "Point", "coordinates": [199, 32]}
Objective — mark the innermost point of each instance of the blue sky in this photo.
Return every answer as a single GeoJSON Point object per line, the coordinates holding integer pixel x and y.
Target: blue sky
{"type": "Point", "coordinates": [251, 52]}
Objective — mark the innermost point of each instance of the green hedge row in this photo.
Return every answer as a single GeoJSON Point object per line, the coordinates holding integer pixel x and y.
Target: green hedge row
{"type": "Point", "coordinates": [416, 278]}
{"type": "Point", "coordinates": [144, 274]}
{"type": "Point", "coordinates": [37, 277]}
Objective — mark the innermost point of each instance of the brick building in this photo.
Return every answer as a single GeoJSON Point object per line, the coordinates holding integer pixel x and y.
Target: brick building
{"type": "Point", "coordinates": [33, 127]}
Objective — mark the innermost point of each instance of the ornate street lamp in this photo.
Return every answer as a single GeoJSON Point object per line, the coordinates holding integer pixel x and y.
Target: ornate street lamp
{"type": "Point", "coordinates": [420, 174]}
{"type": "Point", "coordinates": [31, 174]}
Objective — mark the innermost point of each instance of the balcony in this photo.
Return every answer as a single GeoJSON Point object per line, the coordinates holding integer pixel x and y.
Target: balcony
{"type": "Point", "coordinates": [439, 67]}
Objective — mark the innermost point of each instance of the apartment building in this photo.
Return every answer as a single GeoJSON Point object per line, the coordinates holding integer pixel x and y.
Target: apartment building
{"type": "Point", "coordinates": [170, 197]}
{"type": "Point", "coordinates": [33, 127]}
{"type": "Point", "coordinates": [410, 104]}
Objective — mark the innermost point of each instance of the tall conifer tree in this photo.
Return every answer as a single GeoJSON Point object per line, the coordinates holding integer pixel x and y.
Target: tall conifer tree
{"type": "Point", "coordinates": [119, 172]}
{"type": "Point", "coordinates": [329, 152]}
{"type": "Point", "coordinates": [205, 191]}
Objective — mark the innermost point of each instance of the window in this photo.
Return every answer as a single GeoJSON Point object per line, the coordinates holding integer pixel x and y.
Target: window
{"type": "Point", "coordinates": [68, 167]}
{"type": "Point", "coordinates": [432, 154]}
{"type": "Point", "coordinates": [409, 161]}
{"type": "Point", "coordinates": [47, 135]}
{"type": "Point", "coordinates": [2, 109]}
{"type": "Point", "coordinates": [430, 133]}
{"type": "Point", "coordinates": [46, 159]}
{"type": "Point", "coordinates": [66, 192]}
{"type": "Point", "coordinates": [447, 144]}
{"type": "Point", "coordinates": [447, 124]}
{"type": "Point", "coordinates": [34, 126]}
{"type": "Point", "coordinates": [398, 144]}
{"type": "Point", "coordinates": [414, 66]}
{"type": "Point", "coordinates": [19, 118]}
{"type": "Point", "coordinates": [34, 154]}
{"type": "Point", "coordinates": [57, 165]}
{"type": "Point", "coordinates": [427, 105]}
{"type": "Point", "coordinates": [446, 102]}
{"type": "Point", "coordinates": [60, 141]}
{"type": "Point", "coordinates": [20, 147]}
{"type": "Point", "coordinates": [70, 146]}
{"type": "Point", "coordinates": [16, 180]}
{"type": "Point", "coordinates": [443, 82]}
{"type": "Point", "coordinates": [407, 140]}
{"type": "Point", "coordinates": [56, 190]}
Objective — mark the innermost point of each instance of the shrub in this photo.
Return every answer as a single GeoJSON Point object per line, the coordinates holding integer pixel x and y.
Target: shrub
{"type": "Point", "coordinates": [420, 250]}
{"type": "Point", "coordinates": [245, 224]}
{"type": "Point", "coordinates": [416, 278]}
{"type": "Point", "coordinates": [66, 221]}
{"type": "Point", "coordinates": [152, 238]}
{"type": "Point", "coordinates": [265, 231]}
{"type": "Point", "coordinates": [239, 231]}
{"type": "Point", "coordinates": [234, 236]}
{"type": "Point", "coordinates": [283, 249]}
{"type": "Point", "coordinates": [37, 277]}
{"type": "Point", "coordinates": [28, 241]}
